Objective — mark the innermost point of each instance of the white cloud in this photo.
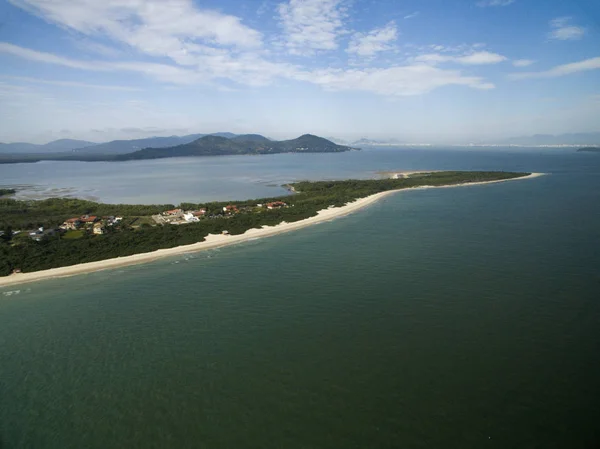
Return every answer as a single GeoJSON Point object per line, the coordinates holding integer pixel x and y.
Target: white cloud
{"type": "Point", "coordinates": [476, 58]}
{"type": "Point", "coordinates": [156, 27]}
{"type": "Point", "coordinates": [485, 3]}
{"type": "Point", "coordinates": [311, 25]}
{"type": "Point", "coordinates": [377, 40]}
{"type": "Point", "coordinates": [161, 72]}
{"type": "Point", "coordinates": [394, 81]}
{"type": "Point", "coordinates": [398, 81]}
{"type": "Point", "coordinates": [94, 47]}
{"type": "Point", "coordinates": [561, 70]}
{"type": "Point", "coordinates": [564, 31]}
{"type": "Point", "coordinates": [481, 57]}
{"type": "Point", "coordinates": [412, 15]}
{"type": "Point", "coordinates": [72, 83]}
{"type": "Point", "coordinates": [523, 62]}
{"type": "Point", "coordinates": [207, 46]}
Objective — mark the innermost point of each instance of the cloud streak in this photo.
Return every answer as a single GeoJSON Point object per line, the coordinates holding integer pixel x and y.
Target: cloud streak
{"type": "Point", "coordinates": [523, 62]}
{"type": "Point", "coordinates": [487, 3]}
{"type": "Point", "coordinates": [563, 30]}
{"type": "Point", "coordinates": [476, 58]}
{"type": "Point", "coordinates": [73, 84]}
{"type": "Point", "coordinates": [144, 23]}
{"type": "Point", "coordinates": [561, 70]}
{"type": "Point", "coordinates": [394, 81]}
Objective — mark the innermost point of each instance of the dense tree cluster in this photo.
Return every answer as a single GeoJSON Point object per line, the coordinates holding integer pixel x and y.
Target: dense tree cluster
{"type": "Point", "coordinates": [57, 251]}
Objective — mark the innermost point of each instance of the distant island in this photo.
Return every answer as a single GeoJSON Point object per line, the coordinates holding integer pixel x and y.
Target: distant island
{"type": "Point", "coordinates": [63, 233]}
{"type": "Point", "coordinates": [220, 144]}
{"type": "Point", "coordinates": [245, 144]}
{"type": "Point", "coordinates": [589, 150]}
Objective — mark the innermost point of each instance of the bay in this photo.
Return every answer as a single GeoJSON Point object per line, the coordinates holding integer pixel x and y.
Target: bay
{"type": "Point", "coordinates": [463, 317]}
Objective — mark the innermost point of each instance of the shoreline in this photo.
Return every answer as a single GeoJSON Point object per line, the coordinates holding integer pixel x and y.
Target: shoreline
{"type": "Point", "coordinates": [213, 241]}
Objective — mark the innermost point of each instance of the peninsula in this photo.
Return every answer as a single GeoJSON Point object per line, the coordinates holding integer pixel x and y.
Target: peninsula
{"type": "Point", "coordinates": [62, 237]}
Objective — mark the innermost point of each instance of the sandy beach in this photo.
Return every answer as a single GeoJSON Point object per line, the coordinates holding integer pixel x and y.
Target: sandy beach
{"type": "Point", "coordinates": [217, 241]}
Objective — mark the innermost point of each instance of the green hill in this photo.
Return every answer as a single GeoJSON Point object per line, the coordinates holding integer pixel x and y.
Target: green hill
{"type": "Point", "coordinates": [250, 138]}
{"type": "Point", "coordinates": [245, 144]}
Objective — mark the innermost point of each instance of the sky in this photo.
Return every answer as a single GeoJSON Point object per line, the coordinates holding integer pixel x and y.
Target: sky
{"type": "Point", "coordinates": [438, 71]}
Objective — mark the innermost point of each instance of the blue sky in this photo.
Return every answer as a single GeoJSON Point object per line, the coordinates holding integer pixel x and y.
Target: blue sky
{"type": "Point", "coordinates": [417, 70]}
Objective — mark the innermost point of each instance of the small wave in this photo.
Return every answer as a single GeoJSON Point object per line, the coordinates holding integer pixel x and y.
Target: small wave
{"type": "Point", "coordinates": [11, 293]}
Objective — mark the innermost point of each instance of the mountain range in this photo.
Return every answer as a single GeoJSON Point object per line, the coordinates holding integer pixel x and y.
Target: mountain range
{"type": "Point", "coordinates": [253, 144]}
{"type": "Point", "coordinates": [55, 146]}
{"type": "Point", "coordinates": [175, 146]}
{"type": "Point", "coordinates": [129, 146]}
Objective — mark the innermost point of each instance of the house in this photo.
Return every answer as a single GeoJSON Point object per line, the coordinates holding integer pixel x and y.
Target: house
{"type": "Point", "coordinates": [98, 229]}
{"type": "Point", "coordinates": [71, 224]}
{"type": "Point", "coordinates": [88, 219]}
{"type": "Point", "coordinates": [231, 209]}
{"type": "Point", "coordinates": [276, 205]}
{"type": "Point", "coordinates": [190, 218]}
{"type": "Point", "coordinates": [199, 213]}
{"type": "Point", "coordinates": [37, 231]}
{"type": "Point", "coordinates": [172, 213]}
{"type": "Point", "coordinates": [37, 234]}
{"type": "Point", "coordinates": [41, 233]}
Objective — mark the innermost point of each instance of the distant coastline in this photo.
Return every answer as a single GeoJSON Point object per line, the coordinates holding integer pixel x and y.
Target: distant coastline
{"type": "Point", "coordinates": [216, 241]}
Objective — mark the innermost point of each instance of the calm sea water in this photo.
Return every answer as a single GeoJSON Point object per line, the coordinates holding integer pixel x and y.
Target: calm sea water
{"type": "Point", "coordinates": [446, 318]}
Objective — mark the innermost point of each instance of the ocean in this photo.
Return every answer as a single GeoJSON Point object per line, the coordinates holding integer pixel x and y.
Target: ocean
{"type": "Point", "coordinates": [442, 318]}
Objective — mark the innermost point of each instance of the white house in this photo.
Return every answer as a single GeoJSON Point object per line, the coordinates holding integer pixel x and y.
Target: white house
{"type": "Point", "coordinates": [190, 218]}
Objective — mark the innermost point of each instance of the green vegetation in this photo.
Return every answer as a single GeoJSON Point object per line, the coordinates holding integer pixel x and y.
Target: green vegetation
{"type": "Point", "coordinates": [74, 235]}
{"type": "Point", "coordinates": [4, 192]}
{"type": "Point", "coordinates": [54, 211]}
{"type": "Point", "coordinates": [589, 150]}
{"type": "Point", "coordinates": [136, 235]}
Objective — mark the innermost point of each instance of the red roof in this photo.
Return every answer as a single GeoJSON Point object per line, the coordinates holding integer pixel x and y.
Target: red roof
{"type": "Point", "coordinates": [88, 219]}
{"type": "Point", "coordinates": [73, 220]}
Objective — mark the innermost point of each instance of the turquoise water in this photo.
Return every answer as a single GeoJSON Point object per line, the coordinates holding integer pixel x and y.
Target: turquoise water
{"type": "Point", "coordinates": [454, 318]}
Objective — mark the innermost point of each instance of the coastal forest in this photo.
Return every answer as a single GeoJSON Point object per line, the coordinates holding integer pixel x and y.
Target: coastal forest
{"type": "Point", "coordinates": [135, 234]}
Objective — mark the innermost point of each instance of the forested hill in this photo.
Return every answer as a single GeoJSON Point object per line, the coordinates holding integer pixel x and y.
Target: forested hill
{"type": "Point", "coordinates": [244, 144]}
